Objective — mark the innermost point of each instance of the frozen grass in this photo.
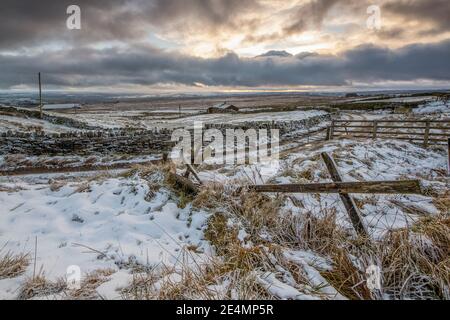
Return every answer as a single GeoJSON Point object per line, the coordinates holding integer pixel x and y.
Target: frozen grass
{"type": "Point", "coordinates": [40, 286]}
{"type": "Point", "coordinates": [13, 265]}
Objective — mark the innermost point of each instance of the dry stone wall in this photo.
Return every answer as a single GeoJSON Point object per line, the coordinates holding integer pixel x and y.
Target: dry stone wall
{"type": "Point", "coordinates": [85, 143]}
{"type": "Point", "coordinates": [286, 127]}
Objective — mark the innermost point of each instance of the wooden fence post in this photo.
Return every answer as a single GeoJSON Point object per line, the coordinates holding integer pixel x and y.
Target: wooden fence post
{"type": "Point", "coordinates": [426, 138]}
{"type": "Point", "coordinates": [332, 130]}
{"type": "Point", "coordinates": [349, 203]}
{"type": "Point", "coordinates": [375, 130]}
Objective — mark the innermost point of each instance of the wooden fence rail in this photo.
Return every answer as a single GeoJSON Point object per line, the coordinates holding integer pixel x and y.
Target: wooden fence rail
{"type": "Point", "coordinates": [364, 187]}
{"type": "Point", "coordinates": [426, 131]}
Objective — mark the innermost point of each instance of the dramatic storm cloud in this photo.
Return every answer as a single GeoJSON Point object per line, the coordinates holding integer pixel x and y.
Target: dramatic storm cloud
{"type": "Point", "coordinates": [223, 43]}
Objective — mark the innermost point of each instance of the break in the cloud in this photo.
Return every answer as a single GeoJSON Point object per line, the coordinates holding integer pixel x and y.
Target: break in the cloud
{"type": "Point", "coordinates": [223, 43]}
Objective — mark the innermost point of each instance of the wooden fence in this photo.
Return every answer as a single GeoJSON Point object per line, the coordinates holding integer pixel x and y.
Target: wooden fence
{"type": "Point", "coordinates": [427, 132]}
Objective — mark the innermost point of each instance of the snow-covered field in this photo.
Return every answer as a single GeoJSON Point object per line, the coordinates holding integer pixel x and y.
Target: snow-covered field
{"type": "Point", "coordinates": [121, 221]}
{"type": "Point", "coordinates": [17, 162]}
{"type": "Point", "coordinates": [436, 107]}
{"type": "Point", "coordinates": [30, 124]}
{"type": "Point", "coordinates": [96, 223]}
{"type": "Point", "coordinates": [134, 235]}
{"type": "Point", "coordinates": [152, 120]}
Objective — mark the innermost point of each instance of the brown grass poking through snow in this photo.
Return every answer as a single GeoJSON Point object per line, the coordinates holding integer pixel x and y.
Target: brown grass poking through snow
{"type": "Point", "coordinates": [211, 280]}
{"type": "Point", "coordinates": [256, 211]}
{"type": "Point", "coordinates": [416, 262]}
{"type": "Point", "coordinates": [346, 277]}
{"type": "Point", "coordinates": [225, 240]}
{"type": "Point", "coordinates": [212, 195]}
{"type": "Point", "coordinates": [89, 284]}
{"type": "Point", "coordinates": [39, 286]}
{"type": "Point", "coordinates": [442, 202]}
{"type": "Point", "coordinates": [13, 265]}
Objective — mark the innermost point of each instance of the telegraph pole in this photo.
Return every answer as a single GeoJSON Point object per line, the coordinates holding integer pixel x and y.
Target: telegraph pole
{"type": "Point", "coordinates": [40, 96]}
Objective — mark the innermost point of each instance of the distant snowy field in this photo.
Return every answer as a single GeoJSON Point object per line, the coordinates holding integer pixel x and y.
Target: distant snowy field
{"type": "Point", "coordinates": [30, 124]}
{"type": "Point", "coordinates": [433, 108]}
{"type": "Point", "coordinates": [152, 120]}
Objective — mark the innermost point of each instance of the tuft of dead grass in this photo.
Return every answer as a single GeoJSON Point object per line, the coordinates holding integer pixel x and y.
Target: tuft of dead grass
{"type": "Point", "coordinates": [39, 286]}
{"type": "Point", "coordinates": [210, 280]}
{"type": "Point", "coordinates": [13, 265]}
{"type": "Point", "coordinates": [416, 262]}
{"type": "Point", "coordinates": [442, 203]}
{"type": "Point", "coordinates": [89, 284]}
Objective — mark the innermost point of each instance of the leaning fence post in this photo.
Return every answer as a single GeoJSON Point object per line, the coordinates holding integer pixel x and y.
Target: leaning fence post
{"type": "Point", "coordinates": [349, 203]}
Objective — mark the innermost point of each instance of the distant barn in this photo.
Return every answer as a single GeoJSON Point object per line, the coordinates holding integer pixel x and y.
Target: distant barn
{"type": "Point", "coordinates": [223, 108]}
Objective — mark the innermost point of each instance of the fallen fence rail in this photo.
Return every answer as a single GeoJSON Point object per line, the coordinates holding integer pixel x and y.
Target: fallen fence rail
{"type": "Point", "coordinates": [373, 187]}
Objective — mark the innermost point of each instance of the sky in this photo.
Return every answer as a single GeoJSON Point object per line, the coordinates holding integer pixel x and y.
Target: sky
{"type": "Point", "coordinates": [225, 45]}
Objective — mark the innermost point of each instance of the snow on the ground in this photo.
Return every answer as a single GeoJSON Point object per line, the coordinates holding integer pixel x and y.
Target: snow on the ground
{"type": "Point", "coordinates": [401, 99]}
{"type": "Point", "coordinates": [433, 107]}
{"type": "Point", "coordinates": [20, 161]}
{"type": "Point", "coordinates": [153, 120]}
{"type": "Point", "coordinates": [229, 118]}
{"type": "Point", "coordinates": [30, 124]}
{"type": "Point", "coordinates": [110, 224]}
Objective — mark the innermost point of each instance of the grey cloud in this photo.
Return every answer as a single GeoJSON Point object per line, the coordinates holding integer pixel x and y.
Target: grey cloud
{"type": "Point", "coordinates": [436, 12]}
{"type": "Point", "coordinates": [28, 23]}
{"type": "Point", "coordinates": [210, 12]}
{"type": "Point", "coordinates": [310, 15]}
{"type": "Point", "coordinates": [148, 66]}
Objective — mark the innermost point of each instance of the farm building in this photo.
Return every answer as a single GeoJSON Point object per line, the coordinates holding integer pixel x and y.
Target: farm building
{"type": "Point", "coordinates": [223, 108]}
{"type": "Point", "coordinates": [61, 106]}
